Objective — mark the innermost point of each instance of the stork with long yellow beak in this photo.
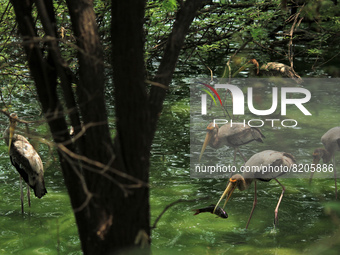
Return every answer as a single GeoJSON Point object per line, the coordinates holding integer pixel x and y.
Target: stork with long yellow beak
{"type": "Point", "coordinates": [254, 172]}
{"type": "Point", "coordinates": [26, 160]}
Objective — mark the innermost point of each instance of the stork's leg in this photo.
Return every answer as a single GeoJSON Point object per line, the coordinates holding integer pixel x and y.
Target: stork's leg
{"type": "Point", "coordinates": [336, 187]}
{"type": "Point", "coordinates": [254, 204]}
{"type": "Point", "coordinates": [28, 195]}
{"type": "Point", "coordinates": [244, 158]}
{"type": "Point", "coordinates": [276, 219]}
{"type": "Point", "coordinates": [21, 196]}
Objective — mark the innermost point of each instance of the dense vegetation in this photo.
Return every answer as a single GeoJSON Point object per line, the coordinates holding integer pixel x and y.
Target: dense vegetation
{"type": "Point", "coordinates": [264, 30]}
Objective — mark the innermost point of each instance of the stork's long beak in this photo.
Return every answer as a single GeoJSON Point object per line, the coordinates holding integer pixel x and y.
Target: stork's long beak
{"type": "Point", "coordinates": [11, 133]}
{"type": "Point", "coordinates": [227, 192]}
{"type": "Point", "coordinates": [205, 144]}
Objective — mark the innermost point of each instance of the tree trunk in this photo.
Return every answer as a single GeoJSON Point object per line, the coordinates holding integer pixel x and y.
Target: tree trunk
{"type": "Point", "coordinates": [107, 183]}
{"type": "Point", "coordinates": [132, 145]}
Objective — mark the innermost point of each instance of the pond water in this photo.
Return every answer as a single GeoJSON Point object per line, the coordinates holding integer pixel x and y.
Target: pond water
{"type": "Point", "coordinates": [308, 215]}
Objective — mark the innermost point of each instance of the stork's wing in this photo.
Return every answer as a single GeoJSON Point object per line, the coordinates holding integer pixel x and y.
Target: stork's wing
{"type": "Point", "coordinates": [19, 168]}
{"type": "Point", "coordinates": [25, 155]}
{"type": "Point", "coordinates": [244, 136]}
{"type": "Point", "coordinates": [330, 139]}
{"type": "Point", "coordinates": [264, 164]}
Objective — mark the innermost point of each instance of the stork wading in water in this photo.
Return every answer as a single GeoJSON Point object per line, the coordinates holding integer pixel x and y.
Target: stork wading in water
{"type": "Point", "coordinates": [255, 164]}
{"type": "Point", "coordinates": [26, 160]}
{"type": "Point", "coordinates": [331, 143]}
{"type": "Point", "coordinates": [230, 135]}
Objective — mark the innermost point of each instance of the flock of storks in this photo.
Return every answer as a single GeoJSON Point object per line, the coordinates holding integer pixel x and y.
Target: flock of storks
{"type": "Point", "coordinates": [237, 135]}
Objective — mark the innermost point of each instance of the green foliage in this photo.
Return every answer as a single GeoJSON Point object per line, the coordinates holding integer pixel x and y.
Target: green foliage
{"type": "Point", "coordinates": [221, 30]}
{"type": "Point", "coordinates": [314, 51]}
{"type": "Point", "coordinates": [259, 30]}
{"type": "Point", "coordinates": [258, 33]}
{"type": "Point", "coordinates": [169, 5]}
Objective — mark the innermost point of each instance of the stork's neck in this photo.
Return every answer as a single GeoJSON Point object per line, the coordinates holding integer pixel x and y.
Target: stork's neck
{"type": "Point", "coordinates": [215, 142]}
{"type": "Point", "coordinates": [245, 183]}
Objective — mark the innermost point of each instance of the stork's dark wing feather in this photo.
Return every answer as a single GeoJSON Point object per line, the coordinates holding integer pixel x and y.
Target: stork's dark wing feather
{"type": "Point", "coordinates": [21, 171]}
{"type": "Point", "coordinates": [245, 136]}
